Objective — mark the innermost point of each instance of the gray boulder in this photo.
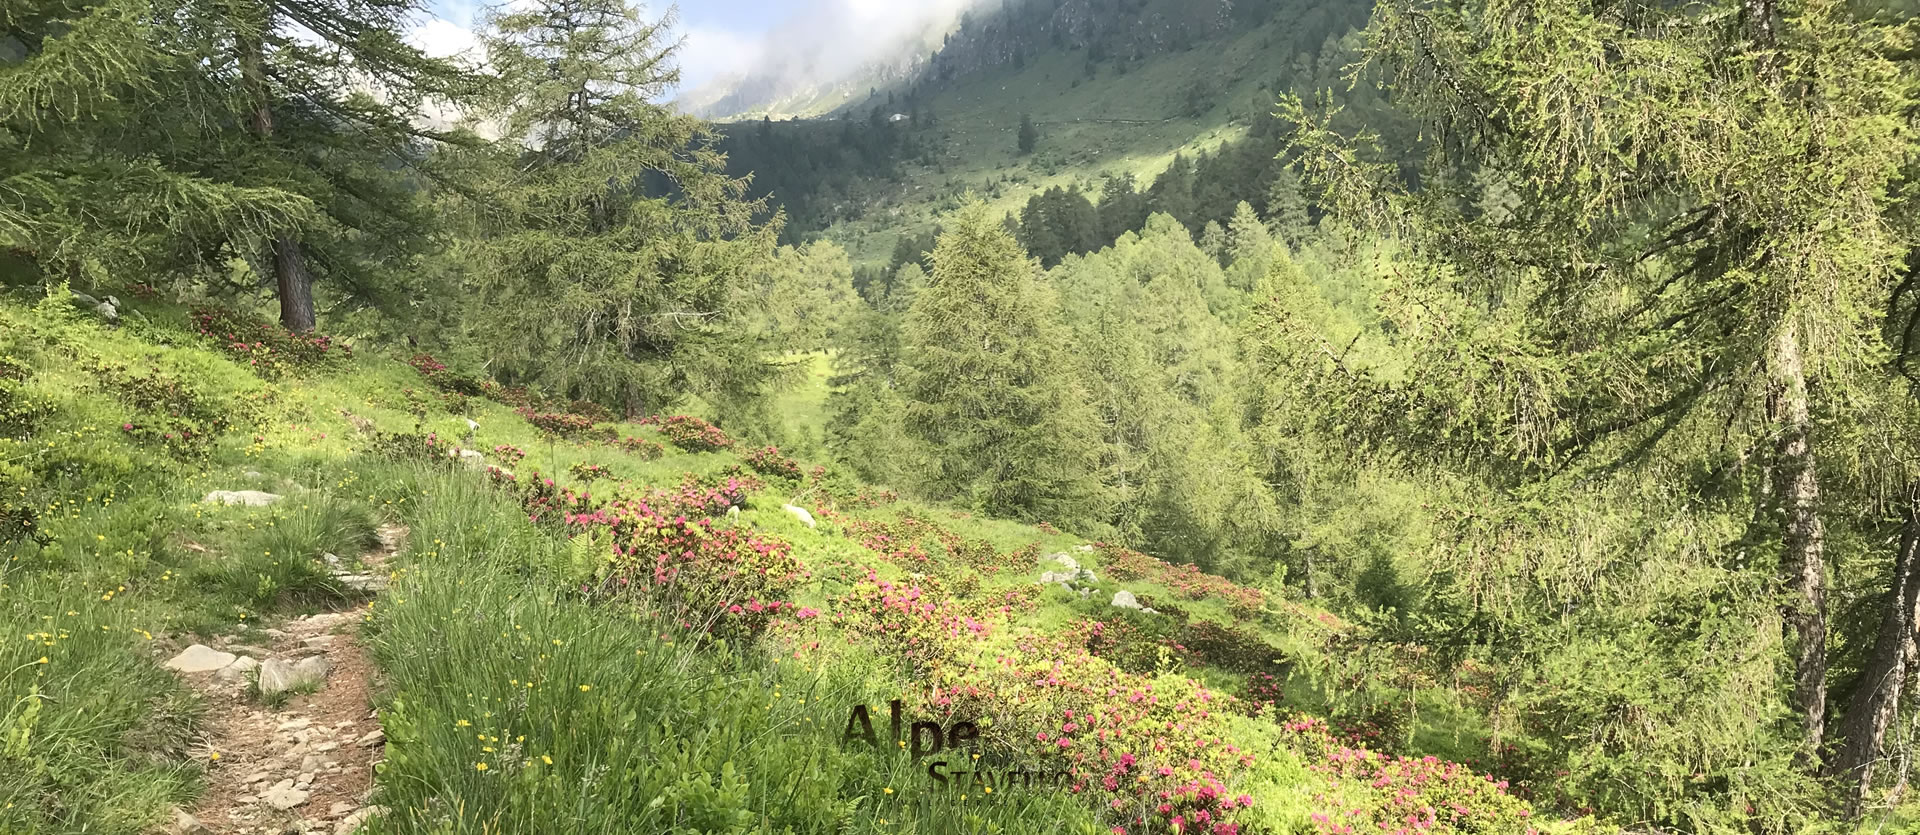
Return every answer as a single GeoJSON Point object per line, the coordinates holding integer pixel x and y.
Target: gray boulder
{"type": "Point", "coordinates": [279, 675]}
{"type": "Point", "coordinates": [249, 498]}
{"type": "Point", "coordinates": [1124, 599]}
{"type": "Point", "coordinates": [238, 670]}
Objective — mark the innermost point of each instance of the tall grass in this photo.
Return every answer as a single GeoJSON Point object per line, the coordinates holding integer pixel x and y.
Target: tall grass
{"type": "Point", "coordinates": [516, 707]}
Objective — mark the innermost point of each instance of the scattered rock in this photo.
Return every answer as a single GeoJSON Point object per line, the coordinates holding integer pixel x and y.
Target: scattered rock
{"type": "Point", "coordinates": [280, 675]}
{"type": "Point", "coordinates": [473, 459]}
{"type": "Point", "coordinates": [1125, 600]}
{"type": "Point", "coordinates": [1068, 562]}
{"type": "Point", "coordinates": [200, 658]}
{"type": "Point", "coordinates": [372, 738]}
{"type": "Point", "coordinates": [1067, 578]}
{"type": "Point", "coordinates": [185, 824]}
{"type": "Point", "coordinates": [801, 514]}
{"type": "Point", "coordinates": [733, 514]}
{"type": "Point", "coordinates": [284, 796]}
{"type": "Point", "coordinates": [354, 821]}
{"type": "Point", "coordinates": [340, 809]}
{"type": "Point", "coordinates": [1084, 548]}
{"type": "Point", "coordinates": [1150, 611]}
{"type": "Point", "coordinates": [297, 724]}
{"type": "Point", "coordinates": [363, 582]}
{"type": "Point", "coordinates": [249, 498]}
{"type": "Point", "coordinates": [238, 670]}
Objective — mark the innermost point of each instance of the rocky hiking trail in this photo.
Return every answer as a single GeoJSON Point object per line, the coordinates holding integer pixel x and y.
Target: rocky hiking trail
{"type": "Point", "coordinates": [290, 737]}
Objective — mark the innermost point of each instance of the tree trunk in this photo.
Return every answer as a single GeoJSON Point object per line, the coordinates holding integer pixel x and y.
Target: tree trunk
{"type": "Point", "coordinates": [1877, 696]}
{"type": "Point", "coordinates": [1796, 488]}
{"type": "Point", "coordinates": [292, 283]}
{"type": "Point", "coordinates": [295, 285]}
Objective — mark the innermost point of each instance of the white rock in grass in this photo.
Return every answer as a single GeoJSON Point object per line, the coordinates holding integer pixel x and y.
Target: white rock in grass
{"type": "Point", "coordinates": [1070, 563]}
{"type": "Point", "coordinates": [1125, 600]}
{"type": "Point", "coordinates": [473, 459]}
{"type": "Point", "coordinates": [280, 675]}
{"type": "Point", "coordinates": [801, 514]}
{"type": "Point", "coordinates": [249, 498]}
{"type": "Point", "coordinates": [200, 658]}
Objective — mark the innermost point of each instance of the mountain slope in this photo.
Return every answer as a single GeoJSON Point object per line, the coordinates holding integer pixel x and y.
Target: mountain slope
{"type": "Point", "coordinates": [544, 631]}
{"type": "Point", "coordinates": [864, 180]}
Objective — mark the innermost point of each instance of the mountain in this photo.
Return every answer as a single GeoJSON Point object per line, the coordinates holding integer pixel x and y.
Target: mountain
{"type": "Point", "coordinates": [1114, 87]}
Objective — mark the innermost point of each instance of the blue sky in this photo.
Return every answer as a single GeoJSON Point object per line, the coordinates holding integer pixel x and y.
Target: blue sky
{"type": "Point", "coordinates": [727, 36]}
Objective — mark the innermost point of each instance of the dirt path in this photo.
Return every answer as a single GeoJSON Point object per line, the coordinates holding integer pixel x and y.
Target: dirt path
{"type": "Point", "coordinates": [305, 765]}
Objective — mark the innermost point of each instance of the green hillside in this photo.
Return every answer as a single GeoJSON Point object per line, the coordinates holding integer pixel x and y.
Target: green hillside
{"type": "Point", "coordinates": [517, 661]}
{"type": "Point", "coordinates": [1147, 417]}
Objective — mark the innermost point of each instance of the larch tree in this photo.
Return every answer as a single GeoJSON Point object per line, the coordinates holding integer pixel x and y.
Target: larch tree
{"type": "Point", "coordinates": [182, 135]}
{"type": "Point", "coordinates": [1698, 225]}
{"type": "Point", "coordinates": [989, 386]}
{"type": "Point", "coordinates": [616, 244]}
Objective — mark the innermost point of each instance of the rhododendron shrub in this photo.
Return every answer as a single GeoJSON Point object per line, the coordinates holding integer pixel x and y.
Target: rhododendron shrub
{"type": "Point", "coordinates": [559, 423]}
{"type": "Point", "coordinates": [665, 547]}
{"type": "Point", "coordinates": [447, 379]}
{"type": "Point", "coordinates": [726, 579]}
{"type": "Point", "coordinates": [1119, 643]}
{"type": "Point", "coordinates": [1186, 580]}
{"type": "Point", "coordinates": [413, 446]}
{"type": "Point", "coordinates": [769, 462]}
{"type": "Point", "coordinates": [1369, 792]}
{"type": "Point", "coordinates": [926, 632]}
{"type": "Point", "coordinates": [1143, 751]}
{"type": "Point", "coordinates": [584, 471]}
{"type": "Point", "coordinates": [171, 413]}
{"type": "Point", "coordinates": [641, 448]}
{"type": "Point", "coordinates": [1207, 643]}
{"type": "Point", "coordinates": [691, 433]}
{"type": "Point", "coordinates": [509, 453]}
{"type": "Point", "coordinates": [270, 350]}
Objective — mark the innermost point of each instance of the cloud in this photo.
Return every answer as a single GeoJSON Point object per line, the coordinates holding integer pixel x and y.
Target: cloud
{"type": "Point", "coordinates": [711, 53]}
{"type": "Point", "coordinates": [823, 42]}
{"type": "Point", "coordinates": [442, 38]}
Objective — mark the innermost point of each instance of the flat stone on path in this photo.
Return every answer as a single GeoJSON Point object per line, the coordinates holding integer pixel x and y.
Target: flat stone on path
{"type": "Point", "coordinates": [284, 796]}
{"type": "Point", "coordinates": [279, 675]}
{"type": "Point", "coordinates": [249, 498]}
{"type": "Point", "coordinates": [200, 658]}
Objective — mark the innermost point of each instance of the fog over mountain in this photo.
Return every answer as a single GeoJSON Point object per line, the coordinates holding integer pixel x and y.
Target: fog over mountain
{"type": "Point", "coordinates": [815, 59]}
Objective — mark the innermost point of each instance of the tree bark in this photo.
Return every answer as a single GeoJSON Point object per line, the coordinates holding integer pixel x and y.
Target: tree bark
{"type": "Point", "coordinates": [293, 284]}
{"type": "Point", "coordinates": [1877, 697]}
{"type": "Point", "coordinates": [1796, 489]}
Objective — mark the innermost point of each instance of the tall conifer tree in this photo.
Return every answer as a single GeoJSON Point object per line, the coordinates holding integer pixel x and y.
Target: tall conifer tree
{"type": "Point", "coordinates": [989, 386]}
{"type": "Point", "coordinates": [617, 240]}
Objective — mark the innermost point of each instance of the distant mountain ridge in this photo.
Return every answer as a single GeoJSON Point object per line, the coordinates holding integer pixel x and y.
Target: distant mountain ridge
{"type": "Point", "coordinates": [798, 80]}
